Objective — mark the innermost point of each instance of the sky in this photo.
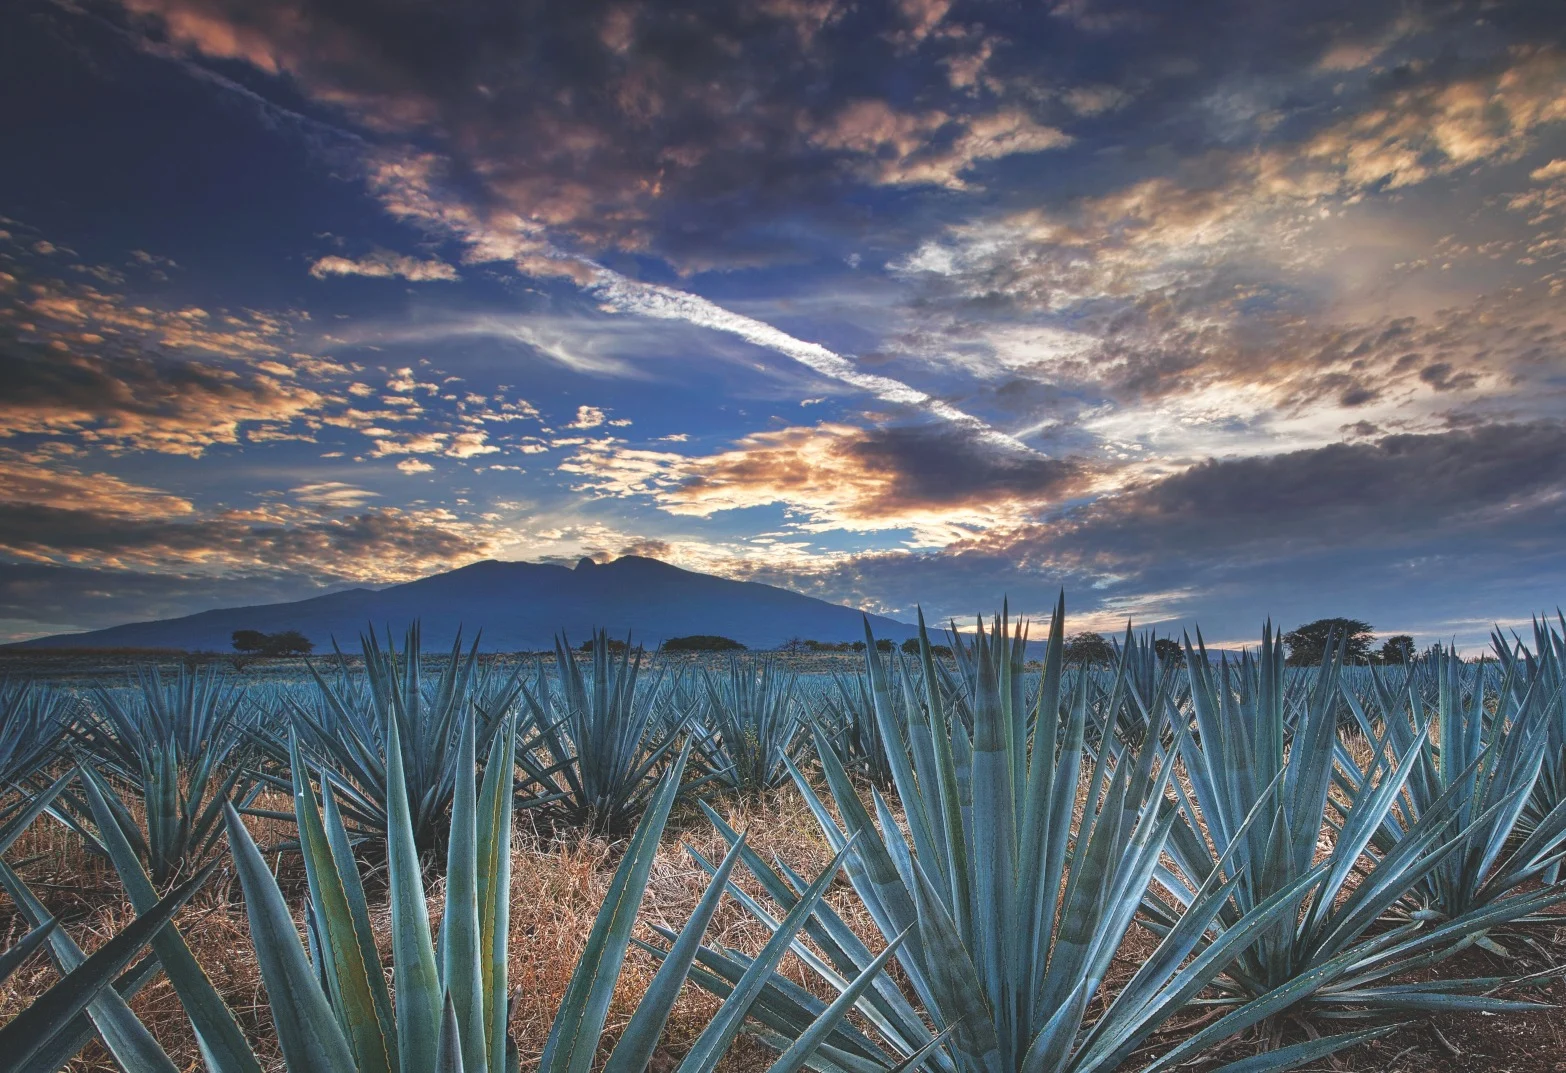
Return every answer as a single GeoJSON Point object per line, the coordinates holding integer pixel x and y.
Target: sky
{"type": "Point", "coordinates": [1203, 312]}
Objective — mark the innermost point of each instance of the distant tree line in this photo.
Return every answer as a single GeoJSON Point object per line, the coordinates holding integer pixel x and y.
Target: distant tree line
{"type": "Point", "coordinates": [286, 643]}
{"type": "Point", "coordinates": [1307, 644]}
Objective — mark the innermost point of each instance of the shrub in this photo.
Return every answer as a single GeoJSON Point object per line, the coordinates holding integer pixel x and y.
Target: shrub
{"type": "Point", "coordinates": [286, 643]}
{"type": "Point", "coordinates": [702, 642]}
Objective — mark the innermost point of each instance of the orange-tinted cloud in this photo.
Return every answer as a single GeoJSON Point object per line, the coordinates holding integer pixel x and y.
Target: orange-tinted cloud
{"type": "Point", "coordinates": [934, 479]}
{"type": "Point", "coordinates": [67, 516]}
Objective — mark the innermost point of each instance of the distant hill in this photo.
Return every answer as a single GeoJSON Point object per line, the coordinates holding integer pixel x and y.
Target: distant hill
{"type": "Point", "coordinates": [520, 606]}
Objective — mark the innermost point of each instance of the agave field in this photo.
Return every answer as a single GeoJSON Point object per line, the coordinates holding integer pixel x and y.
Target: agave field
{"type": "Point", "coordinates": [408, 861]}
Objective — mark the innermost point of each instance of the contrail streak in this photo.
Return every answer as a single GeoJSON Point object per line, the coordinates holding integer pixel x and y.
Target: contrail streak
{"type": "Point", "coordinates": [626, 295]}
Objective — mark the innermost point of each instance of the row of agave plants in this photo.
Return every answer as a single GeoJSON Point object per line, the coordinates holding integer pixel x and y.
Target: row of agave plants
{"type": "Point", "coordinates": [1303, 843]}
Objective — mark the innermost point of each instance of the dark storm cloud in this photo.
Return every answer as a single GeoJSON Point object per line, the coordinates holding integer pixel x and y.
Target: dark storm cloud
{"type": "Point", "coordinates": [941, 465]}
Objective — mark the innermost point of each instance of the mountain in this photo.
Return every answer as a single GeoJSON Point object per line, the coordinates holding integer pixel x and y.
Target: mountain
{"type": "Point", "coordinates": [520, 606]}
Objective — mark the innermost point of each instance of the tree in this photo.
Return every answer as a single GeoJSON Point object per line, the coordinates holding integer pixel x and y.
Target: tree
{"type": "Point", "coordinates": [707, 642]}
{"type": "Point", "coordinates": [884, 645]}
{"type": "Point", "coordinates": [1399, 648]}
{"type": "Point", "coordinates": [1168, 650]}
{"type": "Point", "coordinates": [287, 643]}
{"type": "Point", "coordinates": [1308, 643]}
{"type": "Point", "coordinates": [249, 641]}
{"type": "Point", "coordinates": [1089, 647]}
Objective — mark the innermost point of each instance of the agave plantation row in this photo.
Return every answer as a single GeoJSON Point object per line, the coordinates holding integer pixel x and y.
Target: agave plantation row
{"type": "Point", "coordinates": [1303, 842]}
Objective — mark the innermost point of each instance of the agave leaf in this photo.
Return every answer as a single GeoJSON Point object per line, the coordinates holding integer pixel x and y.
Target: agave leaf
{"type": "Point", "coordinates": [26, 947]}
{"type": "Point", "coordinates": [1297, 1054]}
{"type": "Point", "coordinates": [1051, 1048]}
{"type": "Point", "coordinates": [461, 931]}
{"type": "Point", "coordinates": [122, 1032]}
{"type": "Point", "coordinates": [886, 1007]}
{"type": "Point", "coordinates": [448, 1050]}
{"type": "Point", "coordinates": [223, 1043]}
{"type": "Point", "coordinates": [495, 806]}
{"type": "Point", "coordinates": [637, 1043]}
{"type": "Point", "coordinates": [805, 1045]}
{"type": "Point", "coordinates": [53, 1013]}
{"type": "Point", "coordinates": [68, 1043]}
{"type": "Point", "coordinates": [960, 995]}
{"type": "Point", "coordinates": [726, 1023]}
{"type": "Point", "coordinates": [573, 1037]}
{"type": "Point", "coordinates": [342, 960]}
{"type": "Point", "coordinates": [347, 869]}
{"type": "Point", "coordinates": [36, 804]}
{"type": "Point", "coordinates": [418, 995]}
{"type": "Point", "coordinates": [307, 1030]}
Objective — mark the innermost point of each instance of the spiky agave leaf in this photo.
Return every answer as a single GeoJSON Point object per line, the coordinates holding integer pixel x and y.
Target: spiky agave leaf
{"type": "Point", "coordinates": [1012, 911]}
{"type": "Point", "coordinates": [597, 740]}
{"type": "Point", "coordinates": [1542, 672]}
{"type": "Point", "coordinates": [1267, 741]}
{"type": "Point", "coordinates": [749, 724]}
{"type": "Point", "coordinates": [176, 745]}
{"type": "Point", "coordinates": [344, 727]}
{"type": "Point", "coordinates": [1490, 742]}
{"type": "Point", "coordinates": [33, 721]}
{"type": "Point", "coordinates": [222, 1042]}
{"type": "Point", "coordinates": [53, 1027]}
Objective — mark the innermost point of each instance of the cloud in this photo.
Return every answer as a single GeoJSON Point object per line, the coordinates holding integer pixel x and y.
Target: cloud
{"type": "Point", "coordinates": [1400, 489]}
{"type": "Point", "coordinates": [1439, 535]}
{"type": "Point", "coordinates": [139, 402]}
{"type": "Point", "coordinates": [70, 312]}
{"type": "Point", "coordinates": [931, 148]}
{"type": "Point", "coordinates": [942, 482]}
{"type": "Point", "coordinates": [74, 518]}
{"type": "Point", "coordinates": [587, 417]}
{"type": "Point", "coordinates": [383, 264]}
{"type": "Point", "coordinates": [98, 493]}
{"type": "Point", "coordinates": [332, 495]}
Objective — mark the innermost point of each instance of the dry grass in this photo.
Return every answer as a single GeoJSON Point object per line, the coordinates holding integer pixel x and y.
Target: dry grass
{"type": "Point", "coordinates": [559, 880]}
{"type": "Point", "coordinates": [558, 883]}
